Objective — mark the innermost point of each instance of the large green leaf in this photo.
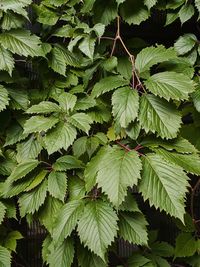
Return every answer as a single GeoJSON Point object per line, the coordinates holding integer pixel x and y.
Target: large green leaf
{"type": "Point", "coordinates": [97, 227]}
{"type": "Point", "coordinates": [5, 258]}
{"type": "Point", "coordinates": [4, 99]}
{"type": "Point", "coordinates": [190, 162]}
{"type": "Point", "coordinates": [62, 255]}
{"type": "Point", "coordinates": [61, 137]}
{"type": "Point", "coordinates": [67, 101]}
{"type": "Point", "coordinates": [23, 169]}
{"type": "Point", "coordinates": [67, 219]}
{"type": "Point", "coordinates": [185, 43]}
{"type": "Point", "coordinates": [152, 55]}
{"type": "Point", "coordinates": [44, 107]}
{"type": "Point", "coordinates": [6, 60]}
{"type": "Point", "coordinates": [132, 227]}
{"type": "Point", "coordinates": [108, 84]}
{"type": "Point", "coordinates": [30, 202]}
{"type": "Point", "coordinates": [157, 115]}
{"type": "Point", "coordinates": [161, 176]}
{"type": "Point", "coordinates": [39, 123]}
{"type": "Point", "coordinates": [21, 42]}
{"type": "Point", "coordinates": [125, 103]}
{"type": "Point", "coordinates": [186, 12]}
{"type": "Point", "coordinates": [57, 184]}
{"type": "Point", "coordinates": [57, 61]}
{"type": "Point", "coordinates": [170, 85]}
{"type": "Point", "coordinates": [81, 121]}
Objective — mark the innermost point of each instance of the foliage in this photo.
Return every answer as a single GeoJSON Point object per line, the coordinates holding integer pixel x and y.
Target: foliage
{"type": "Point", "coordinates": [98, 126]}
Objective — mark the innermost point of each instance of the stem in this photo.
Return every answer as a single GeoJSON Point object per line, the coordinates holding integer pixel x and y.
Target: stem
{"type": "Point", "coordinates": [192, 202]}
{"type": "Point", "coordinates": [48, 164]}
{"type": "Point", "coordinates": [123, 146]}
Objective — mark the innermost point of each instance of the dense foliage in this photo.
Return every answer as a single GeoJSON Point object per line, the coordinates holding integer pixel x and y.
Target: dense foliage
{"type": "Point", "coordinates": [93, 125]}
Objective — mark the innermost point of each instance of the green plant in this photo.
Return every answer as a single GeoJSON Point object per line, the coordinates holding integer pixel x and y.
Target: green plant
{"type": "Point", "coordinates": [102, 115]}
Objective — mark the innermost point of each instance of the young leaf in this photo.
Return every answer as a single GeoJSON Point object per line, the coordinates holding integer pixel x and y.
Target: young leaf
{"type": "Point", "coordinates": [81, 121]}
{"type": "Point", "coordinates": [30, 202]}
{"type": "Point", "coordinates": [67, 219]}
{"type": "Point", "coordinates": [125, 105]}
{"type": "Point", "coordinates": [61, 137]}
{"type": "Point", "coordinates": [153, 55]}
{"type": "Point", "coordinates": [57, 184]}
{"type": "Point", "coordinates": [170, 85]}
{"type": "Point", "coordinates": [133, 228]}
{"type": "Point", "coordinates": [39, 124]}
{"type": "Point", "coordinates": [5, 259]}
{"type": "Point", "coordinates": [97, 227]}
{"type": "Point", "coordinates": [108, 84]}
{"type": "Point", "coordinates": [62, 255]}
{"type": "Point", "coordinates": [157, 115]}
{"type": "Point", "coordinates": [161, 176]}
{"type": "Point", "coordinates": [67, 101]}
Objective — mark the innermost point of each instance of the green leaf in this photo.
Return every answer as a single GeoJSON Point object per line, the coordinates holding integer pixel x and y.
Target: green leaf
{"type": "Point", "coordinates": [21, 42]}
{"type": "Point", "coordinates": [5, 259]}
{"type": "Point", "coordinates": [185, 43]}
{"type": "Point", "coordinates": [129, 204]}
{"type": "Point", "coordinates": [67, 101]}
{"type": "Point", "coordinates": [2, 212]}
{"type": "Point", "coordinates": [189, 162]}
{"type": "Point", "coordinates": [125, 103]}
{"type": "Point", "coordinates": [67, 162]}
{"type": "Point", "coordinates": [81, 121]}
{"type": "Point", "coordinates": [12, 20]}
{"type": "Point", "coordinates": [85, 103]}
{"type": "Point", "coordinates": [76, 188]}
{"type": "Point", "coordinates": [197, 4]}
{"type": "Point", "coordinates": [132, 228]}
{"type": "Point", "coordinates": [134, 16]}
{"type": "Point", "coordinates": [116, 170]}
{"type": "Point", "coordinates": [44, 107]}
{"type": "Point", "coordinates": [37, 180]}
{"type": "Point", "coordinates": [97, 227]}
{"type": "Point", "coordinates": [157, 115]}
{"type": "Point", "coordinates": [161, 176]}
{"type": "Point", "coordinates": [57, 61]}
{"type": "Point", "coordinates": [153, 55]}
{"type": "Point", "coordinates": [61, 137]}
{"type": "Point", "coordinates": [171, 17]}
{"type": "Point", "coordinates": [18, 99]}
{"type": "Point", "coordinates": [22, 169]}
{"type": "Point", "coordinates": [62, 255]}
{"type": "Point", "coordinates": [14, 134]}
{"type": "Point", "coordinates": [185, 245]}
{"type": "Point", "coordinates": [138, 260]}
{"type": "Point", "coordinates": [186, 12]}
{"type": "Point", "coordinates": [105, 11]}
{"type": "Point", "coordinates": [6, 60]}
{"type": "Point", "coordinates": [170, 84]}
{"type": "Point", "coordinates": [28, 149]}
{"type": "Point", "coordinates": [150, 3]}
{"type": "Point", "coordinates": [196, 99]}
{"type": "Point", "coordinates": [162, 249]}
{"type": "Point", "coordinates": [31, 202]}
{"type": "Point", "coordinates": [67, 219]}
{"type": "Point", "coordinates": [11, 240]}
{"type": "Point", "coordinates": [88, 259]}
{"type": "Point", "coordinates": [4, 99]}
{"type": "Point", "coordinates": [39, 124]}
{"type": "Point", "coordinates": [57, 184]}
{"type": "Point", "coordinates": [87, 46]}
{"type": "Point", "coordinates": [87, 6]}
{"type": "Point", "coordinates": [108, 84]}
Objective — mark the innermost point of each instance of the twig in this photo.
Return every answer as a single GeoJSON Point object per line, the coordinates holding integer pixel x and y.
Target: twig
{"type": "Point", "coordinates": [123, 146]}
{"type": "Point", "coordinates": [48, 164]}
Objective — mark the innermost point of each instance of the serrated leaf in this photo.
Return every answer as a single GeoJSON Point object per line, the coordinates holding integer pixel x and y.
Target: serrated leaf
{"type": "Point", "coordinates": [161, 176]}
{"type": "Point", "coordinates": [22, 169]}
{"type": "Point", "coordinates": [196, 99]}
{"type": "Point", "coordinates": [36, 180]}
{"type": "Point", "coordinates": [125, 103]}
{"type": "Point", "coordinates": [185, 43]}
{"type": "Point", "coordinates": [150, 3]}
{"type": "Point", "coordinates": [81, 121]}
{"type": "Point", "coordinates": [134, 16]}
{"type": "Point", "coordinates": [76, 188]}
{"type": "Point", "coordinates": [12, 20]}
{"type": "Point", "coordinates": [2, 212]}
{"type": "Point", "coordinates": [153, 55]}
{"type": "Point", "coordinates": [11, 240]}
{"type": "Point", "coordinates": [6, 60]}
{"type": "Point", "coordinates": [61, 137]}
{"type": "Point", "coordinates": [4, 99]}
{"type": "Point", "coordinates": [67, 219]}
{"type": "Point", "coordinates": [39, 124]}
{"type": "Point", "coordinates": [138, 260]}
{"type": "Point", "coordinates": [88, 259]}
{"type": "Point", "coordinates": [44, 107]}
{"type": "Point", "coordinates": [67, 101]}
{"type": "Point", "coordinates": [14, 134]}
{"type": "Point", "coordinates": [57, 184]}
{"type": "Point", "coordinates": [170, 84]}
{"type": "Point", "coordinates": [62, 255]}
{"type": "Point", "coordinates": [162, 249]}
{"type": "Point", "coordinates": [197, 4]}
{"type": "Point", "coordinates": [85, 103]}
{"type": "Point", "coordinates": [18, 99]}
{"type": "Point", "coordinates": [189, 162]}
{"type": "Point", "coordinates": [157, 115]}
{"type": "Point", "coordinates": [105, 11]}
{"type": "Point", "coordinates": [185, 245]}
{"type": "Point", "coordinates": [97, 227]}
{"type": "Point", "coordinates": [57, 61]}
{"type": "Point", "coordinates": [132, 228]}
{"type": "Point", "coordinates": [67, 162]}
{"type": "Point", "coordinates": [129, 204]}
{"type": "Point", "coordinates": [30, 202]}
{"type": "Point", "coordinates": [171, 17]}
{"type": "Point", "coordinates": [186, 12]}
{"type": "Point", "coordinates": [87, 46]}
{"type": "Point", "coordinates": [108, 84]}
{"type": "Point", "coordinates": [21, 42]}
{"type": "Point", "coordinates": [5, 259]}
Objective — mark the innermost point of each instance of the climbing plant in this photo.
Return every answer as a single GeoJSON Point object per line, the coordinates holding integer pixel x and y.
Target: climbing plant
{"type": "Point", "coordinates": [96, 125]}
